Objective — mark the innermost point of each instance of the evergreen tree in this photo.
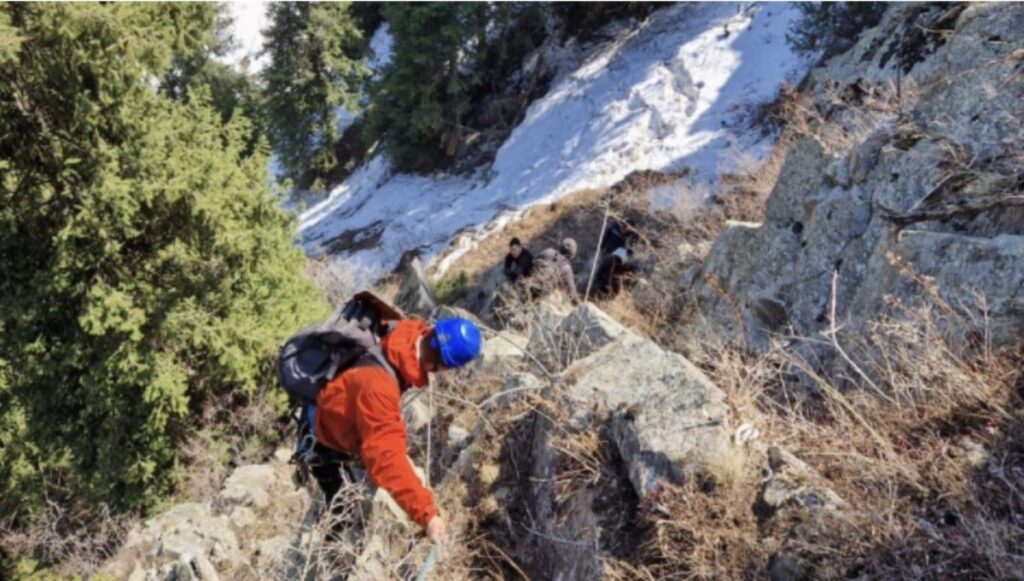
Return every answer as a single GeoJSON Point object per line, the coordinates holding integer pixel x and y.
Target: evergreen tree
{"type": "Point", "coordinates": [315, 68]}
{"type": "Point", "coordinates": [419, 104]}
{"type": "Point", "coordinates": [145, 267]}
{"type": "Point", "coordinates": [829, 28]}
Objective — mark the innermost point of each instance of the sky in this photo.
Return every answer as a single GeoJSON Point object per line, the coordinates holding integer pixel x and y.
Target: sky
{"type": "Point", "coordinates": [250, 17]}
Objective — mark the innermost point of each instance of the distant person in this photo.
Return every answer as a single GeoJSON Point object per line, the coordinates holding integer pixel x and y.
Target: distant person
{"type": "Point", "coordinates": [614, 237]}
{"type": "Point", "coordinates": [617, 235]}
{"type": "Point", "coordinates": [616, 271]}
{"type": "Point", "coordinates": [557, 268]}
{"type": "Point", "coordinates": [518, 262]}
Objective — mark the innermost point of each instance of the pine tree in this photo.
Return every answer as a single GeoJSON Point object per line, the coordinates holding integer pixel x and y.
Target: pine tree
{"type": "Point", "coordinates": [418, 106]}
{"type": "Point", "coordinates": [145, 267]}
{"type": "Point", "coordinates": [315, 68]}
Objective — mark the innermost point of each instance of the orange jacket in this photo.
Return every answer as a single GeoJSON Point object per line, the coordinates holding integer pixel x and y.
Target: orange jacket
{"type": "Point", "coordinates": [358, 412]}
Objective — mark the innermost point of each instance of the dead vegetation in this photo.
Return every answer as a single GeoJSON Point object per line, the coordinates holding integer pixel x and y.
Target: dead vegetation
{"type": "Point", "coordinates": [76, 538]}
{"type": "Point", "coordinates": [921, 442]}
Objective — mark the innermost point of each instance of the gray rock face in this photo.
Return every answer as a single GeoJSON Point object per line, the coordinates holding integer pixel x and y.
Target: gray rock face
{"type": "Point", "coordinates": [483, 298]}
{"type": "Point", "coordinates": [559, 340]}
{"type": "Point", "coordinates": [502, 353]}
{"type": "Point", "coordinates": [959, 265]}
{"type": "Point", "coordinates": [249, 486]}
{"type": "Point", "coordinates": [893, 188]}
{"type": "Point", "coordinates": [188, 530]}
{"type": "Point", "coordinates": [416, 294]}
{"type": "Point", "coordinates": [668, 421]}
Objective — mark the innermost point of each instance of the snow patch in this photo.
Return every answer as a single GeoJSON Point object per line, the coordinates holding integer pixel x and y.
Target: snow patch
{"type": "Point", "coordinates": [672, 94]}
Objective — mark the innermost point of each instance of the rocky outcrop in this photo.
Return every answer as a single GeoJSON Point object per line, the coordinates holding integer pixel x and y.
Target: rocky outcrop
{"type": "Point", "coordinates": [668, 420]}
{"type": "Point", "coordinates": [935, 192]}
{"type": "Point", "coordinates": [416, 294]}
{"type": "Point", "coordinates": [247, 529]}
{"type": "Point", "coordinates": [795, 502]}
{"type": "Point", "coordinates": [559, 336]}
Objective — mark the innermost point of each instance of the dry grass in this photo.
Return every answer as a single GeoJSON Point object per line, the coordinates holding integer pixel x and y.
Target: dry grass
{"type": "Point", "coordinates": [922, 446]}
{"type": "Point", "coordinates": [77, 540]}
{"type": "Point", "coordinates": [539, 227]}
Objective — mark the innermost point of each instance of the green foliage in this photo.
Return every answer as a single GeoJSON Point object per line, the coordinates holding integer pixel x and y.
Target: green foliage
{"type": "Point", "coordinates": [315, 68]}
{"type": "Point", "coordinates": [447, 56]}
{"type": "Point", "coordinates": [231, 90]}
{"type": "Point", "coordinates": [145, 267]}
{"type": "Point", "coordinates": [829, 28]}
{"type": "Point", "coordinates": [452, 288]}
{"type": "Point", "coordinates": [421, 99]}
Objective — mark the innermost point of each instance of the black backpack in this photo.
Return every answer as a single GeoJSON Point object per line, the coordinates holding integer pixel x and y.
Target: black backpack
{"type": "Point", "coordinates": [313, 356]}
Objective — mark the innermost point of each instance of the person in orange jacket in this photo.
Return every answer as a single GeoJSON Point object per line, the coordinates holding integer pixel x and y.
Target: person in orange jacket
{"type": "Point", "coordinates": [358, 414]}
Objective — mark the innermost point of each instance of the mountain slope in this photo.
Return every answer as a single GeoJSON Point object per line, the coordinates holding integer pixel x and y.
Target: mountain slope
{"type": "Point", "coordinates": [670, 95]}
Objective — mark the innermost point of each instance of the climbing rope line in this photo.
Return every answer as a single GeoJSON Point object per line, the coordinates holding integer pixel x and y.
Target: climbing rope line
{"type": "Point", "coordinates": [428, 564]}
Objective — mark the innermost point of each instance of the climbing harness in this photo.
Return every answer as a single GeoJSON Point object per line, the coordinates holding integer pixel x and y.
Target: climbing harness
{"type": "Point", "coordinates": [309, 453]}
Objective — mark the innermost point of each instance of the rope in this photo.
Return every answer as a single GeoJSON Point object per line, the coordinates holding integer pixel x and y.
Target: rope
{"type": "Point", "coordinates": [428, 564]}
{"type": "Point", "coordinates": [597, 251]}
{"type": "Point", "coordinates": [430, 423]}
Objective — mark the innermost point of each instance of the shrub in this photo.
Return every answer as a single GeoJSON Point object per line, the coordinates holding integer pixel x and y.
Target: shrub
{"type": "Point", "coordinates": [452, 288]}
{"type": "Point", "coordinates": [145, 267]}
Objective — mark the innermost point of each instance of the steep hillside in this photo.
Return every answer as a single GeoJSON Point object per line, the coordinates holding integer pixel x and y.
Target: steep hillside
{"type": "Point", "coordinates": [673, 94]}
{"type": "Point", "coordinates": [815, 374]}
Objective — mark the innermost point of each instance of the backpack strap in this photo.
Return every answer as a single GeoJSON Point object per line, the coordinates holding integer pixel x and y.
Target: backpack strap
{"type": "Point", "coordinates": [374, 357]}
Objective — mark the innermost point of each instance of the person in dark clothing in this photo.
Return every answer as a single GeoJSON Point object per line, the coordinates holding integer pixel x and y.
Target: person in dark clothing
{"type": "Point", "coordinates": [616, 271]}
{"type": "Point", "coordinates": [518, 262]}
{"type": "Point", "coordinates": [613, 237]}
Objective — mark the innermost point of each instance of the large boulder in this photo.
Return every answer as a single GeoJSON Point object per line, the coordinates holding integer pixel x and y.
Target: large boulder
{"type": "Point", "coordinates": [669, 421]}
{"type": "Point", "coordinates": [560, 337]}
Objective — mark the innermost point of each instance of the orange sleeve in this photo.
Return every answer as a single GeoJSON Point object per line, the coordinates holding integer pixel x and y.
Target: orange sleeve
{"type": "Point", "coordinates": [383, 451]}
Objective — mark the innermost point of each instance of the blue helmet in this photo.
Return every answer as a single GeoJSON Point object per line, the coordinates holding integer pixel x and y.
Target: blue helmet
{"type": "Point", "coordinates": [457, 340]}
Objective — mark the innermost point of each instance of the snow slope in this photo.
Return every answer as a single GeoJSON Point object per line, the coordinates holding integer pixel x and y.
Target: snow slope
{"type": "Point", "coordinates": [669, 95]}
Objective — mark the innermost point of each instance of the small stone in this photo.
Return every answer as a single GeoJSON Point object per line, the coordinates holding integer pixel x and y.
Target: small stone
{"type": "Point", "coordinates": [137, 574]}
{"type": "Point", "coordinates": [205, 569]}
{"type": "Point", "coordinates": [178, 545]}
{"type": "Point", "coordinates": [283, 455]}
{"type": "Point", "coordinates": [182, 571]}
{"type": "Point", "coordinates": [457, 436]}
{"type": "Point", "coordinates": [243, 517]}
{"type": "Point", "coordinates": [785, 567]}
{"type": "Point", "coordinates": [489, 474]}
